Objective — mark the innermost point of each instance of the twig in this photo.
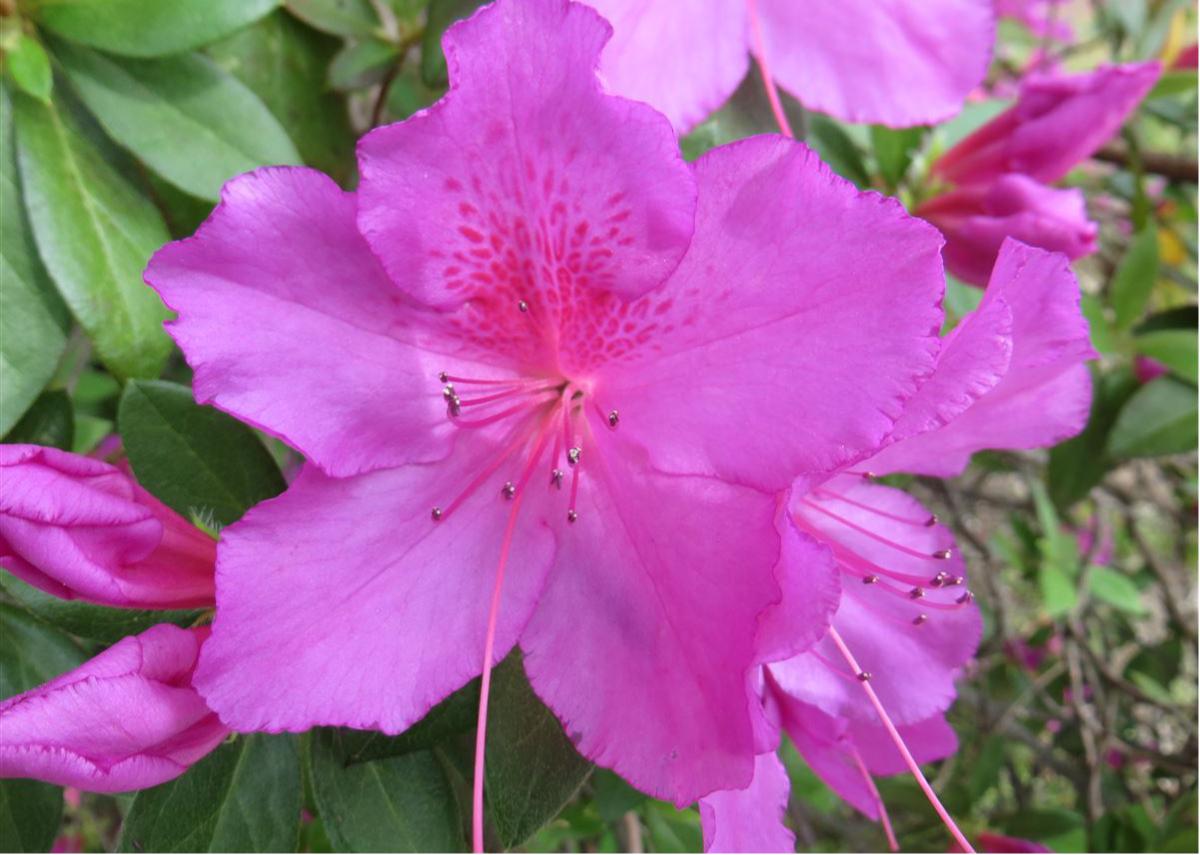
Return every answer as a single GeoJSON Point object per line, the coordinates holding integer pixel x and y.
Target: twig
{"type": "Point", "coordinates": [1171, 166]}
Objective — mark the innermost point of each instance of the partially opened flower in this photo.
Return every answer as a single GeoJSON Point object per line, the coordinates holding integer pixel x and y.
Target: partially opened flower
{"type": "Point", "coordinates": [76, 527]}
{"type": "Point", "coordinates": [125, 720]}
{"type": "Point", "coordinates": [1011, 375]}
{"type": "Point", "coordinates": [553, 384]}
{"type": "Point", "coordinates": [890, 62]}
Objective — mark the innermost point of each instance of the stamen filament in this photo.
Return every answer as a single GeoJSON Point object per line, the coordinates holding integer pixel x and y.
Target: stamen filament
{"type": "Point", "coordinates": [499, 396]}
{"type": "Point", "coordinates": [500, 416]}
{"type": "Point", "coordinates": [884, 819]}
{"type": "Point", "coordinates": [898, 741]}
{"type": "Point", "coordinates": [923, 523]}
{"type": "Point", "coordinates": [899, 547]}
{"type": "Point", "coordinates": [760, 53]}
{"type": "Point", "coordinates": [519, 438]}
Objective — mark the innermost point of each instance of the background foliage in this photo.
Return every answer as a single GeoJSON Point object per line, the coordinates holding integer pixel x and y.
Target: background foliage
{"type": "Point", "coordinates": [120, 121]}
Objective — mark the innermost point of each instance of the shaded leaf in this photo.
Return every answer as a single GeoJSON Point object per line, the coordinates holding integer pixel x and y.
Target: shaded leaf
{"type": "Point", "coordinates": [894, 150]}
{"type": "Point", "coordinates": [836, 148]}
{"type": "Point", "coordinates": [1175, 349]}
{"type": "Point", "coordinates": [362, 64]}
{"type": "Point", "coordinates": [339, 17]}
{"type": "Point", "coordinates": [29, 66]}
{"type": "Point", "coordinates": [1116, 589]}
{"type": "Point", "coordinates": [442, 13]}
{"type": "Point", "coordinates": [50, 421]}
{"type": "Point", "coordinates": [1134, 278]}
{"type": "Point", "coordinates": [454, 715]}
{"type": "Point", "coordinates": [1078, 465]}
{"type": "Point", "coordinates": [1160, 418]}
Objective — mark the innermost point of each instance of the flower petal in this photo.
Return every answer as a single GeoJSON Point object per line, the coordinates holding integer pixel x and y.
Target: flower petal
{"type": "Point", "coordinates": [750, 820]}
{"type": "Point", "coordinates": [682, 60]}
{"type": "Point", "coordinates": [291, 325]}
{"type": "Point", "coordinates": [889, 62]}
{"type": "Point", "coordinates": [343, 602]}
{"type": "Point", "coordinates": [646, 631]}
{"type": "Point", "coordinates": [526, 176]}
{"type": "Point", "coordinates": [793, 331]}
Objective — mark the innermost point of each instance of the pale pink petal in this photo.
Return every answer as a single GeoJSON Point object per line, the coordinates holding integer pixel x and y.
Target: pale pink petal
{"type": "Point", "coordinates": [888, 62]}
{"type": "Point", "coordinates": [645, 633]}
{"type": "Point", "coordinates": [684, 60]}
{"type": "Point", "coordinates": [292, 326]}
{"type": "Point", "coordinates": [750, 820]}
{"type": "Point", "coordinates": [526, 174]}
{"type": "Point", "coordinates": [1044, 398]}
{"type": "Point", "coordinates": [343, 602]}
{"type": "Point", "coordinates": [788, 340]}
{"type": "Point", "coordinates": [125, 720]}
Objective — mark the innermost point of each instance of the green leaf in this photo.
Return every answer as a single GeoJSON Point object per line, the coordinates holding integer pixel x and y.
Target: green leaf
{"type": "Point", "coordinates": [1099, 329]}
{"type": "Point", "coordinates": [837, 149]}
{"type": "Point", "coordinates": [614, 797]}
{"type": "Point", "coordinates": [1159, 419]}
{"type": "Point", "coordinates": [1134, 278]}
{"type": "Point", "coordinates": [184, 117]}
{"type": "Point", "coordinates": [244, 797]}
{"type": "Point", "coordinates": [94, 233]}
{"type": "Point", "coordinates": [532, 768]}
{"type": "Point", "coordinates": [1173, 83]}
{"type": "Point", "coordinates": [442, 13]}
{"type": "Point", "coordinates": [50, 421]}
{"type": "Point", "coordinates": [32, 316]}
{"type": "Point", "coordinates": [339, 17]}
{"type": "Point", "coordinates": [29, 66]}
{"type": "Point", "coordinates": [362, 64]}
{"type": "Point", "coordinates": [30, 654]}
{"type": "Point", "coordinates": [95, 623]}
{"type": "Point", "coordinates": [1175, 349]}
{"type": "Point", "coordinates": [196, 459]}
{"type": "Point", "coordinates": [403, 804]}
{"type": "Point", "coordinates": [1078, 465]}
{"type": "Point", "coordinates": [454, 715]}
{"type": "Point", "coordinates": [894, 151]}
{"type": "Point", "coordinates": [286, 64]}
{"type": "Point", "coordinates": [149, 27]}
{"type": "Point", "coordinates": [1116, 589]}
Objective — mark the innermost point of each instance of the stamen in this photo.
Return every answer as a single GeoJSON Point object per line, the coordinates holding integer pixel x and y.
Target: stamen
{"type": "Point", "coordinates": [922, 523]}
{"type": "Point", "coordinates": [942, 554]}
{"type": "Point", "coordinates": [884, 820]}
{"type": "Point", "coordinates": [501, 416]}
{"type": "Point", "coordinates": [556, 478]}
{"type": "Point", "coordinates": [614, 418]}
{"type": "Point", "coordinates": [920, 619]}
{"type": "Point", "coordinates": [436, 513]}
{"type": "Point", "coordinates": [508, 490]}
{"type": "Point", "coordinates": [898, 740]}
{"type": "Point", "coordinates": [899, 547]}
{"type": "Point", "coordinates": [520, 435]}
{"type": "Point", "coordinates": [500, 396]}
{"type": "Point", "coordinates": [761, 54]}
{"type": "Point", "coordinates": [522, 306]}
{"type": "Point", "coordinates": [573, 455]}
{"type": "Point", "coordinates": [856, 565]}
{"type": "Point", "coordinates": [870, 580]}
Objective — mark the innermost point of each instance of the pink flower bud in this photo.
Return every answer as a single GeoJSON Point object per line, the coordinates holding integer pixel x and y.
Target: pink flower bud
{"type": "Point", "coordinates": [79, 528]}
{"type": "Point", "coordinates": [125, 720]}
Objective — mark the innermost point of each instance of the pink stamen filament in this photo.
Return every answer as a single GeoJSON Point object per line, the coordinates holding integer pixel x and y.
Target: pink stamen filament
{"type": "Point", "coordinates": [760, 53]}
{"type": "Point", "coordinates": [499, 396]}
{"type": "Point", "coordinates": [513, 381]}
{"type": "Point", "coordinates": [898, 741]}
{"type": "Point", "coordinates": [857, 565]}
{"type": "Point", "coordinates": [489, 644]}
{"type": "Point", "coordinates": [884, 819]}
{"type": "Point", "coordinates": [500, 416]}
{"type": "Point", "coordinates": [899, 547]}
{"type": "Point", "coordinates": [924, 523]}
{"type": "Point", "coordinates": [520, 436]}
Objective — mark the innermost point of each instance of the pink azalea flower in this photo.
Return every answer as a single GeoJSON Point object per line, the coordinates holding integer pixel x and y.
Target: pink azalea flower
{"type": "Point", "coordinates": [1146, 368]}
{"type": "Point", "coordinates": [990, 842]}
{"type": "Point", "coordinates": [902, 63]}
{"type": "Point", "coordinates": [553, 384]}
{"type": "Point", "coordinates": [1011, 375]}
{"type": "Point", "coordinates": [125, 720]}
{"type": "Point", "coordinates": [79, 528]}
{"type": "Point", "coordinates": [1000, 173]}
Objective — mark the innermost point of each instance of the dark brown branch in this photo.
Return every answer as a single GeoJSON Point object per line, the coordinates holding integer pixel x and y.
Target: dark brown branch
{"type": "Point", "coordinates": [1175, 167]}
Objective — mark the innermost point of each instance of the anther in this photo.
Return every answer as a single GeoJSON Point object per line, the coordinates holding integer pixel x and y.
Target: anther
{"type": "Point", "coordinates": [863, 676]}
{"type": "Point", "coordinates": [958, 580]}
{"type": "Point", "coordinates": [522, 306]}
{"type": "Point", "coordinates": [614, 418]}
{"type": "Point", "coordinates": [572, 515]}
{"type": "Point", "coordinates": [454, 406]}
{"type": "Point", "coordinates": [941, 579]}
{"type": "Point", "coordinates": [508, 490]}
{"type": "Point", "coordinates": [942, 554]}
{"type": "Point", "coordinates": [574, 454]}
{"type": "Point", "coordinates": [870, 580]}
{"type": "Point", "coordinates": [867, 476]}
{"type": "Point", "coordinates": [443, 376]}
{"type": "Point", "coordinates": [920, 619]}
{"type": "Point", "coordinates": [448, 391]}
{"type": "Point", "coordinates": [916, 593]}
{"type": "Point", "coordinates": [966, 597]}
{"type": "Point", "coordinates": [932, 521]}
{"type": "Point", "coordinates": [556, 478]}
{"type": "Point", "coordinates": [436, 513]}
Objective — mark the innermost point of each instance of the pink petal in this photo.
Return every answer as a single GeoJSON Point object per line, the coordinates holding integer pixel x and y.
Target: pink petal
{"type": "Point", "coordinates": [125, 720]}
{"type": "Point", "coordinates": [342, 602]}
{"type": "Point", "coordinates": [684, 61]}
{"type": "Point", "coordinates": [889, 62]}
{"type": "Point", "coordinates": [526, 174]}
{"type": "Point", "coordinates": [750, 820]}
{"type": "Point", "coordinates": [793, 331]}
{"type": "Point", "coordinates": [882, 533]}
{"type": "Point", "coordinates": [645, 633]}
{"type": "Point", "coordinates": [79, 528]}
{"type": "Point", "coordinates": [291, 325]}
{"type": "Point", "coordinates": [1044, 398]}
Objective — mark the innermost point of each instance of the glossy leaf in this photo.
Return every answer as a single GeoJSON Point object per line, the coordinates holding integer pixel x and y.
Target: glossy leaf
{"type": "Point", "coordinates": [1135, 277]}
{"type": "Point", "coordinates": [362, 64]}
{"type": "Point", "coordinates": [454, 715]}
{"type": "Point", "coordinates": [29, 67]}
{"type": "Point", "coordinates": [339, 17]}
{"type": "Point", "coordinates": [50, 421]}
{"type": "Point", "coordinates": [94, 232]}
{"type": "Point", "coordinates": [196, 459]}
{"type": "Point", "coordinates": [149, 27]}
{"type": "Point", "coordinates": [1159, 419]}
{"type": "Point", "coordinates": [1175, 349]}
{"type": "Point", "coordinates": [184, 117]}
{"type": "Point", "coordinates": [244, 797]}
{"type": "Point", "coordinates": [894, 150]}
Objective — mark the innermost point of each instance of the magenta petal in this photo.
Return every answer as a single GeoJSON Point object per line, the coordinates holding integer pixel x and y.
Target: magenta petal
{"type": "Point", "coordinates": [343, 602]}
{"type": "Point", "coordinates": [797, 325]}
{"type": "Point", "coordinates": [646, 631]}
{"type": "Point", "coordinates": [76, 527]}
{"type": "Point", "coordinates": [291, 325]}
{"type": "Point", "coordinates": [1045, 396]}
{"type": "Point", "coordinates": [684, 60]}
{"type": "Point", "coordinates": [526, 174]}
{"type": "Point", "coordinates": [889, 62]}
{"type": "Point", "coordinates": [750, 820]}
{"type": "Point", "coordinates": [125, 720]}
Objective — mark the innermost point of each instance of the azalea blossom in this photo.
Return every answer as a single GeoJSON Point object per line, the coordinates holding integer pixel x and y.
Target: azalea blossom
{"type": "Point", "coordinates": [553, 385]}
{"type": "Point", "coordinates": [125, 720]}
{"type": "Point", "coordinates": [1000, 174]}
{"type": "Point", "coordinates": [891, 62]}
{"type": "Point", "coordinates": [1011, 375]}
{"type": "Point", "coordinates": [79, 528]}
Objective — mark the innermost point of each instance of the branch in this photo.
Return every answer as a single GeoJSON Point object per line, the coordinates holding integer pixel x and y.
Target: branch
{"type": "Point", "coordinates": [1175, 167]}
